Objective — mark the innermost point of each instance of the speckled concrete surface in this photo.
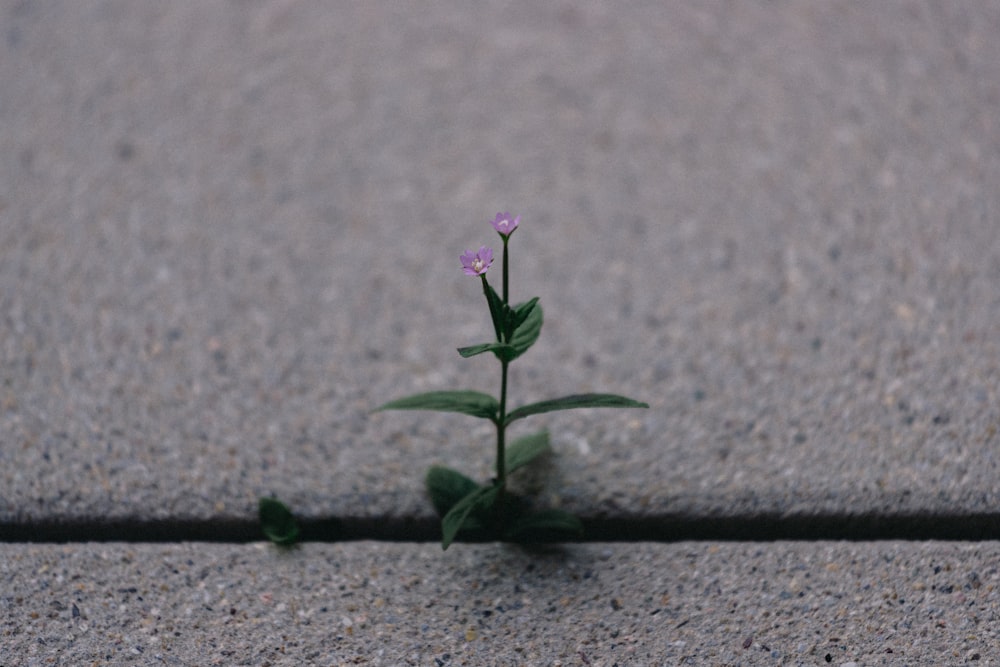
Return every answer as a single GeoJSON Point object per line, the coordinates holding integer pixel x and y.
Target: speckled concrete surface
{"type": "Point", "coordinates": [884, 603]}
{"type": "Point", "coordinates": [230, 230]}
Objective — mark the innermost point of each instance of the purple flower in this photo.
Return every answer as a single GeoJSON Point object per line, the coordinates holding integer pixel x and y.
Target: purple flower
{"type": "Point", "coordinates": [475, 264]}
{"type": "Point", "coordinates": [505, 224]}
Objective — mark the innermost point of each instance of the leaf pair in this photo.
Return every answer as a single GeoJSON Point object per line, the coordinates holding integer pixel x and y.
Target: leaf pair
{"type": "Point", "coordinates": [467, 506]}
{"type": "Point", "coordinates": [448, 487]}
{"type": "Point", "coordinates": [517, 328]}
{"type": "Point", "coordinates": [506, 319]}
{"type": "Point", "coordinates": [478, 404]}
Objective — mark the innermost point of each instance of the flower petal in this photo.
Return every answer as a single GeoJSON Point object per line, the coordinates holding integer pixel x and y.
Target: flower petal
{"type": "Point", "coordinates": [476, 264]}
{"type": "Point", "coordinates": [505, 224]}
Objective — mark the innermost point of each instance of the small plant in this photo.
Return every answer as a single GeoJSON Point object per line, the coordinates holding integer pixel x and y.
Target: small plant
{"type": "Point", "coordinates": [277, 522]}
{"type": "Point", "coordinates": [489, 509]}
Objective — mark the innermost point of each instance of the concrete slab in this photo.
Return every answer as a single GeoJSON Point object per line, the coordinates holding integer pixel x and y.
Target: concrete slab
{"type": "Point", "coordinates": [228, 231]}
{"type": "Point", "coordinates": [885, 603]}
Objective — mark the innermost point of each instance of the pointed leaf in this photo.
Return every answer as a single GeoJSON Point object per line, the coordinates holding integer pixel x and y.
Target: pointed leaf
{"type": "Point", "coordinates": [524, 450]}
{"type": "Point", "coordinates": [447, 487]}
{"type": "Point", "coordinates": [549, 523]}
{"type": "Point", "coordinates": [515, 317]}
{"type": "Point", "coordinates": [525, 335]}
{"type": "Point", "coordinates": [277, 522]}
{"type": "Point", "coordinates": [574, 402]}
{"type": "Point", "coordinates": [522, 311]}
{"type": "Point", "coordinates": [455, 519]}
{"type": "Point", "coordinates": [472, 403]}
{"type": "Point", "coordinates": [497, 309]}
{"type": "Point", "coordinates": [473, 350]}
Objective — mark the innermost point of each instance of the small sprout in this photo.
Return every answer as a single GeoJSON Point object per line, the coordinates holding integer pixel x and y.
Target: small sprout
{"type": "Point", "coordinates": [277, 522]}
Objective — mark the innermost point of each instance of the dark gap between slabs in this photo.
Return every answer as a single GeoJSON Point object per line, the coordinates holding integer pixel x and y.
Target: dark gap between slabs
{"type": "Point", "coordinates": [751, 528]}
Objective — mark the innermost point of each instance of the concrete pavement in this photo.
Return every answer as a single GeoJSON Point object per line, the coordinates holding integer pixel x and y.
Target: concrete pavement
{"type": "Point", "coordinates": [228, 231]}
{"type": "Point", "coordinates": [376, 603]}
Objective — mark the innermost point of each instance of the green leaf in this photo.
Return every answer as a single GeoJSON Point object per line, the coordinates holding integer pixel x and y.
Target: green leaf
{"type": "Point", "coordinates": [548, 523]}
{"type": "Point", "coordinates": [476, 501]}
{"type": "Point", "coordinates": [521, 312]}
{"type": "Point", "coordinates": [473, 350]}
{"type": "Point", "coordinates": [574, 402]}
{"type": "Point", "coordinates": [447, 487]}
{"type": "Point", "coordinates": [525, 335]}
{"type": "Point", "coordinates": [515, 317]}
{"type": "Point", "coordinates": [524, 450]}
{"type": "Point", "coordinates": [277, 522]}
{"type": "Point", "coordinates": [472, 403]}
{"type": "Point", "coordinates": [497, 309]}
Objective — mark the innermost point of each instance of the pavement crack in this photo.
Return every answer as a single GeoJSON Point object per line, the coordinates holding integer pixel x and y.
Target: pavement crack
{"type": "Point", "coordinates": [667, 528]}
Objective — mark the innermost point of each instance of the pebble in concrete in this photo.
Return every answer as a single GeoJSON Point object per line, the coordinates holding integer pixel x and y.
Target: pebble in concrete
{"type": "Point", "coordinates": [409, 604]}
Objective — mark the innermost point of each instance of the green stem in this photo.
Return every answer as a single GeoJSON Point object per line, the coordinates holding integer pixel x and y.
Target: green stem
{"type": "Point", "coordinates": [501, 422]}
{"type": "Point", "coordinates": [501, 451]}
{"type": "Point", "coordinates": [505, 299]}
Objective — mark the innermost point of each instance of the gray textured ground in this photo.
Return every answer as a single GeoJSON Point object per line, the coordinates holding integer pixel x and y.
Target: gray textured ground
{"type": "Point", "coordinates": [370, 603]}
{"type": "Point", "coordinates": [229, 230]}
